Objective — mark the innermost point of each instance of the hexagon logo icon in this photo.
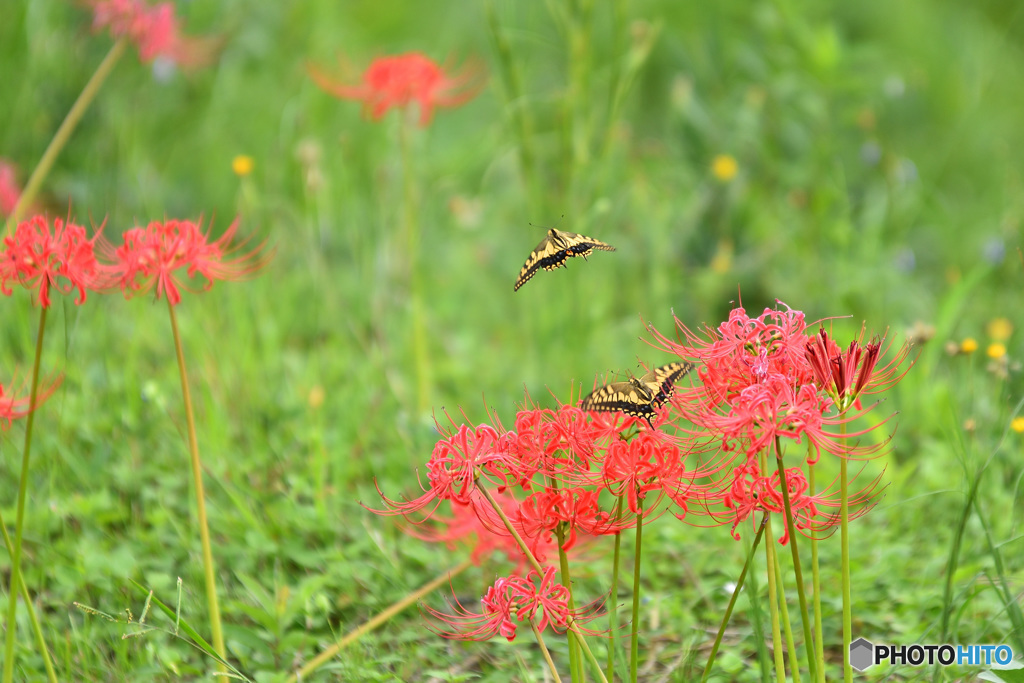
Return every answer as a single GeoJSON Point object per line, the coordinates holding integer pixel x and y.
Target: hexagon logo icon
{"type": "Point", "coordinates": [862, 654]}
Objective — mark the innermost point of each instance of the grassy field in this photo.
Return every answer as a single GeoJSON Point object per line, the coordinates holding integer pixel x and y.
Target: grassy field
{"type": "Point", "coordinates": [878, 179]}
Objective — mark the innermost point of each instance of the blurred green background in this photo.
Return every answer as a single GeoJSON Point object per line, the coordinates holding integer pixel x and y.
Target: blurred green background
{"type": "Point", "coordinates": [878, 179]}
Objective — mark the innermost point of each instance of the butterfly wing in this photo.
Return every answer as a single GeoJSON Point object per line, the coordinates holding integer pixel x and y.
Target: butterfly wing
{"type": "Point", "coordinates": [574, 244]}
{"type": "Point", "coordinates": [555, 249]}
{"type": "Point", "coordinates": [542, 256]}
{"type": "Point", "coordinates": [662, 381]}
{"type": "Point", "coordinates": [631, 398]}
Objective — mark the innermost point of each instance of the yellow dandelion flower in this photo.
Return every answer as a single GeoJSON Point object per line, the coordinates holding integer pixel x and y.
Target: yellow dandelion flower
{"type": "Point", "coordinates": [1017, 424]}
{"type": "Point", "coordinates": [999, 329]}
{"type": "Point", "coordinates": [969, 345]}
{"type": "Point", "coordinates": [996, 350]}
{"type": "Point", "coordinates": [724, 167]}
{"type": "Point", "coordinates": [242, 165]}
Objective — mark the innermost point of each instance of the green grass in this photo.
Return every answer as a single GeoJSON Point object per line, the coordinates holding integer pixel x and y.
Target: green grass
{"type": "Point", "coordinates": [878, 147]}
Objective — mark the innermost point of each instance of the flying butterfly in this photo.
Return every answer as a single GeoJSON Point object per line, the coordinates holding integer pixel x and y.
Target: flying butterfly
{"type": "Point", "coordinates": [553, 251]}
{"type": "Point", "coordinates": [638, 397]}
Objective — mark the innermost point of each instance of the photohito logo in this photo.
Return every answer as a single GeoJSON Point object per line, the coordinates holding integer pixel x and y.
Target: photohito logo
{"type": "Point", "coordinates": [865, 654]}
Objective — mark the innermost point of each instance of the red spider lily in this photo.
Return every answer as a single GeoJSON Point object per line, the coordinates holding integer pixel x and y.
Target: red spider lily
{"type": "Point", "coordinates": [752, 492]}
{"type": "Point", "coordinates": [846, 376]}
{"type": "Point", "coordinates": [537, 599]}
{"type": "Point", "coordinates": [156, 255]}
{"type": "Point", "coordinates": [13, 407]}
{"type": "Point", "coordinates": [153, 29]}
{"type": "Point", "coordinates": [10, 191]}
{"type": "Point", "coordinates": [400, 80]}
{"type": "Point", "coordinates": [478, 525]}
{"type": "Point", "coordinates": [577, 508]}
{"type": "Point", "coordinates": [454, 466]}
{"type": "Point", "coordinates": [742, 351]}
{"type": "Point", "coordinates": [41, 256]}
{"type": "Point", "coordinates": [649, 462]}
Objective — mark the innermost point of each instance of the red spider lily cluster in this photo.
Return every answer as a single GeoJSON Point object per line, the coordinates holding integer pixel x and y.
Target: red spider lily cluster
{"type": "Point", "coordinates": [159, 255]}
{"type": "Point", "coordinates": [566, 474]}
{"type": "Point", "coordinates": [44, 255]}
{"type": "Point", "coordinates": [537, 599]}
{"type": "Point", "coordinates": [557, 477]}
{"type": "Point", "coordinates": [398, 81]}
{"type": "Point", "coordinates": [769, 381]}
{"type": "Point", "coordinates": [153, 29]}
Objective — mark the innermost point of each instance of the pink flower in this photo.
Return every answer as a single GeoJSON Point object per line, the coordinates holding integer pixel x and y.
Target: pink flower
{"type": "Point", "coordinates": [396, 82]}
{"type": "Point", "coordinates": [161, 253]}
{"type": "Point", "coordinates": [153, 29]}
{"type": "Point", "coordinates": [10, 191]}
{"type": "Point", "coordinates": [42, 255]}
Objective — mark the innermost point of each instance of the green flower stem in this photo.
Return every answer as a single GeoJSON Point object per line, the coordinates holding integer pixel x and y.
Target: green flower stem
{"type": "Point", "coordinates": [381, 618]}
{"type": "Point", "coordinates": [63, 133]}
{"type": "Point", "coordinates": [411, 233]}
{"type": "Point", "coordinates": [634, 636]}
{"type": "Point", "coordinates": [534, 564]}
{"type": "Point", "coordinates": [515, 102]}
{"type": "Point", "coordinates": [544, 651]}
{"type": "Point", "coordinates": [575, 665]}
{"type": "Point", "coordinates": [613, 598]}
{"type": "Point", "coordinates": [798, 574]}
{"type": "Point", "coordinates": [732, 600]}
{"type": "Point", "coordinates": [844, 544]}
{"type": "Point", "coordinates": [197, 474]}
{"type": "Point", "coordinates": [19, 523]}
{"type": "Point", "coordinates": [51, 675]}
{"type": "Point", "coordinates": [819, 638]}
{"type": "Point", "coordinates": [577, 101]}
{"type": "Point", "coordinates": [787, 625]}
{"type": "Point", "coordinates": [773, 607]}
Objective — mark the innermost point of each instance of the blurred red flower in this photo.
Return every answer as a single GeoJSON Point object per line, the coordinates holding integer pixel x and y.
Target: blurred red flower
{"type": "Point", "coordinates": [41, 255]}
{"type": "Point", "coordinates": [13, 407]}
{"type": "Point", "coordinates": [10, 191]}
{"type": "Point", "coordinates": [397, 81]}
{"type": "Point", "coordinates": [156, 254]}
{"type": "Point", "coordinates": [153, 29]}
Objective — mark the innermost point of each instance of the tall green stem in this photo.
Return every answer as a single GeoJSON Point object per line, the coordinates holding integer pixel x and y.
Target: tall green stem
{"type": "Point", "coordinates": [197, 475]}
{"type": "Point", "coordinates": [798, 574]}
{"type": "Point", "coordinates": [544, 651]}
{"type": "Point", "coordinates": [19, 523]}
{"type": "Point", "coordinates": [51, 675]}
{"type": "Point", "coordinates": [773, 607]}
{"type": "Point", "coordinates": [575, 665]}
{"type": "Point", "coordinates": [787, 625]}
{"type": "Point", "coordinates": [634, 636]}
{"type": "Point", "coordinates": [534, 564]}
{"type": "Point", "coordinates": [578, 109]}
{"type": "Point", "coordinates": [63, 133]}
{"type": "Point", "coordinates": [613, 599]}
{"type": "Point", "coordinates": [411, 230]}
{"type": "Point", "coordinates": [516, 105]}
{"type": "Point", "coordinates": [732, 600]}
{"type": "Point", "coordinates": [844, 544]}
{"type": "Point", "coordinates": [819, 638]}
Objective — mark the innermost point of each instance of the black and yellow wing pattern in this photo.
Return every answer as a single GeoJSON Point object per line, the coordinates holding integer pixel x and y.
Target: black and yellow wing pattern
{"type": "Point", "coordinates": [555, 249]}
{"type": "Point", "coordinates": [638, 397]}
